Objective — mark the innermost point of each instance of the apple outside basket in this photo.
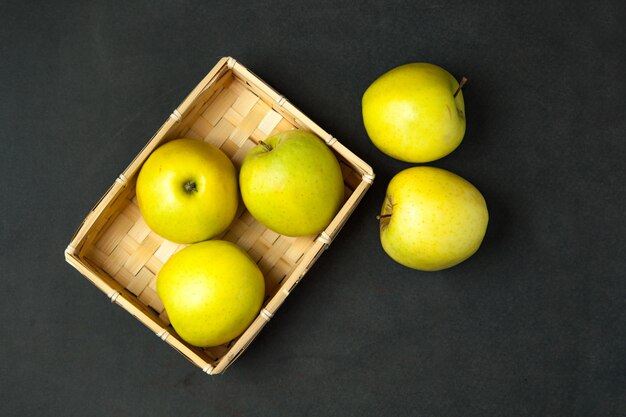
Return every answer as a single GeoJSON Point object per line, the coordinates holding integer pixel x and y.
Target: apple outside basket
{"type": "Point", "coordinates": [114, 248]}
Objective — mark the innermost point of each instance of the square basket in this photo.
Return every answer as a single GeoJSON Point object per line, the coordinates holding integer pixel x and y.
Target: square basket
{"type": "Point", "coordinates": [232, 109]}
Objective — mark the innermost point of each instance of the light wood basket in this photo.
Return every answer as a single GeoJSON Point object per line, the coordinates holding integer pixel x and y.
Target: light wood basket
{"type": "Point", "coordinates": [114, 248]}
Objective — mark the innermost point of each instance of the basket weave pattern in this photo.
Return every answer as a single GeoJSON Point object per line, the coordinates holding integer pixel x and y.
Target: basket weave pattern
{"type": "Point", "coordinates": [233, 110]}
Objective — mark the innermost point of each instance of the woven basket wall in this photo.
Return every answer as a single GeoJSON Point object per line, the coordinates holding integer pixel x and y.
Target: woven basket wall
{"type": "Point", "coordinates": [114, 248]}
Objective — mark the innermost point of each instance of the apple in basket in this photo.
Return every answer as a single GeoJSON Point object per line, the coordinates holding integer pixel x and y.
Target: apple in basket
{"type": "Point", "coordinates": [292, 183]}
{"type": "Point", "coordinates": [431, 219]}
{"type": "Point", "coordinates": [211, 291]}
{"type": "Point", "coordinates": [187, 191]}
{"type": "Point", "coordinates": [415, 112]}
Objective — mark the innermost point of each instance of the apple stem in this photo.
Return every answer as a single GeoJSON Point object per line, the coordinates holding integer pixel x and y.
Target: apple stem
{"type": "Point", "coordinates": [461, 84]}
{"type": "Point", "coordinates": [268, 147]}
{"type": "Point", "coordinates": [382, 216]}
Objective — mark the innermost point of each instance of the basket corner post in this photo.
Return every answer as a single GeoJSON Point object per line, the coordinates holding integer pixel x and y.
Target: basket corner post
{"type": "Point", "coordinates": [70, 254]}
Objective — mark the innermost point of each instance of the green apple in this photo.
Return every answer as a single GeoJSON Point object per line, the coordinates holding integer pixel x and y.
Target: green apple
{"type": "Point", "coordinates": [431, 219]}
{"type": "Point", "coordinates": [292, 183]}
{"type": "Point", "coordinates": [415, 112]}
{"type": "Point", "coordinates": [211, 291]}
{"type": "Point", "coordinates": [187, 191]}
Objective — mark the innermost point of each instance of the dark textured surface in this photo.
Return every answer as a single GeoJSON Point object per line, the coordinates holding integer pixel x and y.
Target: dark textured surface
{"type": "Point", "coordinates": [534, 324]}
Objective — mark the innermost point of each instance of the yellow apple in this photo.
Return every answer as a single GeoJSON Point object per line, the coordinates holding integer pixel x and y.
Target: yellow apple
{"type": "Point", "coordinates": [211, 291]}
{"type": "Point", "coordinates": [187, 191]}
{"type": "Point", "coordinates": [415, 113]}
{"type": "Point", "coordinates": [431, 219]}
{"type": "Point", "coordinates": [292, 183]}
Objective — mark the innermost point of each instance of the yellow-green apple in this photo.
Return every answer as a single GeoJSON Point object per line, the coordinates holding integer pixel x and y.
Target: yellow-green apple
{"type": "Point", "coordinates": [211, 291]}
{"type": "Point", "coordinates": [187, 191]}
{"type": "Point", "coordinates": [292, 183]}
{"type": "Point", "coordinates": [415, 112]}
{"type": "Point", "coordinates": [431, 219]}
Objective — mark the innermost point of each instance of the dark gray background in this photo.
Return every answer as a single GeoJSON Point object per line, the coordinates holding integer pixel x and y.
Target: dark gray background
{"type": "Point", "coordinates": [533, 324]}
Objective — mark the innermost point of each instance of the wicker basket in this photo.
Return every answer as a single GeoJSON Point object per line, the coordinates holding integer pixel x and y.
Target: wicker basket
{"type": "Point", "coordinates": [114, 248]}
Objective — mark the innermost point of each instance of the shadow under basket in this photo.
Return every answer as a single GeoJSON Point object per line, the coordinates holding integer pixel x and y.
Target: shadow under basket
{"type": "Point", "coordinates": [232, 109]}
